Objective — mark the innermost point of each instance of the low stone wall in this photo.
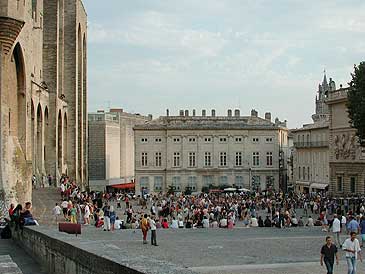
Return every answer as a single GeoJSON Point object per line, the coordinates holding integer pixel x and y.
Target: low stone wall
{"type": "Point", "coordinates": [59, 257]}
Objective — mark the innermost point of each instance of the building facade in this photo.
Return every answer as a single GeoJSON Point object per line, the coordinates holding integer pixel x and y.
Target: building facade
{"type": "Point", "coordinates": [311, 148]}
{"type": "Point", "coordinates": [196, 151]}
{"type": "Point", "coordinates": [42, 93]}
{"type": "Point", "coordinates": [111, 150]}
{"type": "Point", "coordinates": [347, 158]}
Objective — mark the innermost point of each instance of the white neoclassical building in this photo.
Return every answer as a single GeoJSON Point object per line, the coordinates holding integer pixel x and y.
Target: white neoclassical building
{"type": "Point", "coordinates": [195, 151]}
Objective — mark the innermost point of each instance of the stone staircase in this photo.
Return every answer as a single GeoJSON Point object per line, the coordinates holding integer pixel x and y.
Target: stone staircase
{"type": "Point", "coordinates": [43, 201]}
{"type": "Point", "coordinates": [7, 266]}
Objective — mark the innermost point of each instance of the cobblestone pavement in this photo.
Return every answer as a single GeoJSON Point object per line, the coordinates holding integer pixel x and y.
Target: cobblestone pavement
{"type": "Point", "coordinates": [241, 250]}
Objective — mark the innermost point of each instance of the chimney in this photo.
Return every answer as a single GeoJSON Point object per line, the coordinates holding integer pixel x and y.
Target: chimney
{"type": "Point", "coordinates": [167, 112]}
{"type": "Point", "coordinates": [194, 112]}
{"type": "Point", "coordinates": [204, 113]}
{"type": "Point", "coordinates": [254, 113]}
{"type": "Point", "coordinates": [229, 113]}
{"type": "Point", "coordinates": [268, 116]}
{"type": "Point", "coordinates": [236, 113]}
{"type": "Point", "coordinates": [181, 112]}
{"type": "Point", "coordinates": [213, 112]}
{"type": "Point", "coordinates": [116, 110]}
{"type": "Point", "coordinates": [186, 112]}
{"type": "Point", "coordinates": [100, 111]}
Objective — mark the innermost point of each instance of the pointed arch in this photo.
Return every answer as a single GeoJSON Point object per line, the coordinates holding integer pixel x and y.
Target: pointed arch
{"type": "Point", "coordinates": [39, 151]}
{"type": "Point", "coordinates": [59, 142]}
{"type": "Point", "coordinates": [45, 143]}
{"type": "Point", "coordinates": [65, 139]}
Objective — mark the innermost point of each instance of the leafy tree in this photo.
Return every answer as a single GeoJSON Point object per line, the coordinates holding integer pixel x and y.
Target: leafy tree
{"type": "Point", "coordinates": [356, 101]}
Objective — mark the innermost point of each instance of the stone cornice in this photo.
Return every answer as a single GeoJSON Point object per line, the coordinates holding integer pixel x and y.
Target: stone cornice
{"type": "Point", "coordinates": [9, 31]}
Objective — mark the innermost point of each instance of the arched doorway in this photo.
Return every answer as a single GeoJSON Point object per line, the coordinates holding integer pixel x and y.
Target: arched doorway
{"type": "Point", "coordinates": [40, 159]}
{"type": "Point", "coordinates": [32, 137]}
{"type": "Point", "coordinates": [65, 140]}
{"type": "Point", "coordinates": [45, 144]}
{"type": "Point", "coordinates": [17, 101]}
{"type": "Point", "coordinates": [59, 143]}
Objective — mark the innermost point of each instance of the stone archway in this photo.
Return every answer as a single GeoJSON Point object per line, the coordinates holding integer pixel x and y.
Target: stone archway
{"type": "Point", "coordinates": [39, 140]}
{"type": "Point", "coordinates": [65, 140]}
{"type": "Point", "coordinates": [45, 143]}
{"type": "Point", "coordinates": [59, 143]}
{"type": "Point", "coordinates": [16, 97]}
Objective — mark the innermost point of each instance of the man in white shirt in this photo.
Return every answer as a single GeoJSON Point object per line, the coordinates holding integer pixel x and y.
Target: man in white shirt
{"type": "Point", "coordinates": [152, 224]}
{"type": "Point", "coordinates": [56, 211]}
{"type": "Point", "coordinates": [336, 229]}
{"type": "Point", "coordinates": [174, 224]}
{"type": "Point", "coordinates": [352, 248]}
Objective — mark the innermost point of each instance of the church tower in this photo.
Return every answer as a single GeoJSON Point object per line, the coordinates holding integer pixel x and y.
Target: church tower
{"type": "Point", "coordinates": [321, 106]}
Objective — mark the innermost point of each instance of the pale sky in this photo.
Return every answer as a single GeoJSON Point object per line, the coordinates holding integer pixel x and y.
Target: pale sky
{"type": "Point", "coordinates": [147, 56]}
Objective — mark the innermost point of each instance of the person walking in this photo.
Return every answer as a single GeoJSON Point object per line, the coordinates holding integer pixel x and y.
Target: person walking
{"type": "Point", "coordinates": [56, 212]}
{"type": "Point", "coordinates": [106, 211]}
{"type": "Point", "coordinates": [336, 229]}
{"type": "Point", "coordinates": [328, 255]}
{"type": "Point", "coordinates": [144, 228]}
{"type": "Point", "coordinates": [362, 230]}
{"type": "Point", "coordinates": [353, 251]}
{"type": "Point", "coordinates": [152, 224]}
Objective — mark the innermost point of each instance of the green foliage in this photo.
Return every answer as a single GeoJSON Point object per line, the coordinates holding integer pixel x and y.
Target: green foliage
{"type": "Point", "coordinates": [356, 101]}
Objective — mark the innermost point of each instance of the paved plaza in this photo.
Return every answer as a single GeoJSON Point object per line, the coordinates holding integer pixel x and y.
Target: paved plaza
{"type": "Point", "coordinates": [241, 250]}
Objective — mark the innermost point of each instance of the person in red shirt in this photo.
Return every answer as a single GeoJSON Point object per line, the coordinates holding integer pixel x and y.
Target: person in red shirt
{"type": "Point", "coordinates": [11, 210]}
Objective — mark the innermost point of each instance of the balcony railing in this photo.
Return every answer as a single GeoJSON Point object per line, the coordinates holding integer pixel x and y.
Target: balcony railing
{"type": "Point", "coordinates": [311, 144]}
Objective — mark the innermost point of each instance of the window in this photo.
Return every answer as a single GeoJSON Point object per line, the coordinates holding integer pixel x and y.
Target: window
{"type": "Point", "coordinates": [339, 184]}
{"type": "Point", "coordinates": [34, 10]}
{"type": "Point", "coordinates": [223, 180]}
{"type": "Point", "coordinates": [255, 140]}
{"type": "Point", "coordinates": [207, 180]}
{"type": "Point", "coordinates": [308, 173]}
{"type": "Point", "coordinates": [192, 140]}
{"type": "Point", "coordinates": [158, 140]}
{"type": "Point", "coordinates": [238, 139]}
{"type": "Point", "coordinates": [207, 159]}
{"type": "Point", "coordinates": [191, 159]}
{"type": "Point", "coordinates": [158, 183]}
{"type": "Point", "coordinates": [256, 182]}
{"type": "Point", "coordinates": [223, 139]}
{"type": "Point", "coordinates": [176, 160]}
{"type": "Point", "coordinates": [269, 182]}
{"type": "Point", "coordinates": [269, 158]}
{"type": "Point", "coordinates": [208, 139]}
{"type": "Point", "coordinates": [144, 159]}
{"type": "Point", "coordinates": [158, 158]}
{"type": "Point", "coordinates": [144, 183]}
{"type": "Point", "coordinates": [144, 140]}
{"type": "Point", "coordinates": [192, 183]}
{"type": "Point", "coordinates": [176, 140]}
{"type": "Point", "coordinates": [255, 158]}
{"type": "Point", "coordinates": [299, 173]}
{"type": "Point", "coordinates": [239, 181]}
{"type": "Point", "coordinates": [353, 184]}
{"type": "Point", "coordinates": [223, 159]}
{"type": "Point", "coordinates": [176, 184]}
{"type": "Point", "coordinates": [238, 158]}
{"type": "Point", "coordinates": [268, 140]}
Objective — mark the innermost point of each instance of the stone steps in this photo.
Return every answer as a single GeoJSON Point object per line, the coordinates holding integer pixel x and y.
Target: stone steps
{"type": "Point", "coordinates": [44, 200]}
{"type": "Point", "coordinates": [7, 266]}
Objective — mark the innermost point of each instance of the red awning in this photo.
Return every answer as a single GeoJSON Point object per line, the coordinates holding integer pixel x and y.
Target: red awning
{"type": "Point", "coordinates": [124, 186]}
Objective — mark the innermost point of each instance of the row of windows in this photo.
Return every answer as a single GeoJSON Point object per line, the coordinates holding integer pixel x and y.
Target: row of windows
{"type": "Point", "coordinates": [192, 162]}
{"type": "Point", "coordinates": [209, 139]}
{"type": "Point", "coordinates": [207, 180]}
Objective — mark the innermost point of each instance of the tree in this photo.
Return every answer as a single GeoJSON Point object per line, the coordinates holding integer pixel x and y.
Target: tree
{"type": "Point", "coordinates": [356, 101]}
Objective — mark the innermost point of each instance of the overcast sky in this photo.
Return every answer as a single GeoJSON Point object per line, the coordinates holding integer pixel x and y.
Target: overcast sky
{"type": "Point", "coordinates": [149, 55]}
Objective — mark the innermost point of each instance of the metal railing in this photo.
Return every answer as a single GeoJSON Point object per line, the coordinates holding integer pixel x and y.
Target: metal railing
{"type": "Point", "coordinates": [310, 144]}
